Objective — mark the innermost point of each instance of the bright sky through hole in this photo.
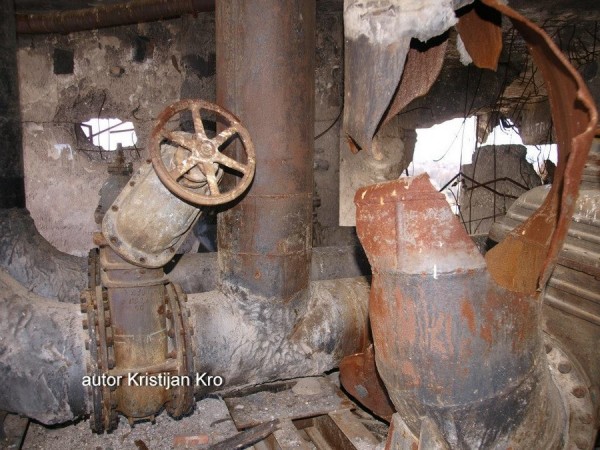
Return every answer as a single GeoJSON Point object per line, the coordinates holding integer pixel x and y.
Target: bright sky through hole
{"type": "Point", "coordinates": [118, 132]}
{"type": "Point", "coordinates": [443, 148]}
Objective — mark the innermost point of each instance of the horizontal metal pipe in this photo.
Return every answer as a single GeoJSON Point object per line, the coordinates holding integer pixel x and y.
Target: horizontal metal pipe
{"type": "Point", "coordinates": [199, 272]}
{"type": "Point", "coordinates": [112, 15]}
{"type": "Point", "coordinates": [43, 361]}
{"type": "Point", "coordinates": [246, 341]}
{"type": "Point", "coordinates": [42, 356]}
{"type": "Point", "coordinates": [35, 263]}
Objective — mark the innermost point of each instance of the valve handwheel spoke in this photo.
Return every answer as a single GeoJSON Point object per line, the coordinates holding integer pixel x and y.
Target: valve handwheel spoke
{"type": "Point", "coordinates": [202, 155]}
{"type": "Point", "coordinates": [231, 163]}
{"type": "Point", "coordinates": [198, 125]}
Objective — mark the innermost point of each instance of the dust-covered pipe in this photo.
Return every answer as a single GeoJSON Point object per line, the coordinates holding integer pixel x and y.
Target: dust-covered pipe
{"type": "Point", "coordinates": [239, 340]}
{"type": "Point", "coordinates": [42, 355]}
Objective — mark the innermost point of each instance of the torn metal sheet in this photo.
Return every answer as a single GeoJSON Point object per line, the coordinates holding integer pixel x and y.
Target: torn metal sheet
{"type": "Point", "coordinates": [480, 29]}
{"type": "Point", "coordinates": [422, 68]}
{"type": "Point", "coordinates": [469, 354]}
{"type": "Point", "coordinates": [378, 36]}
{"type": "Point", "coordinates": [534, 246]}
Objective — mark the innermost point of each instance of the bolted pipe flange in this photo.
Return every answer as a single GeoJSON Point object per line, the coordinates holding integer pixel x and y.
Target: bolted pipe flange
{"type": "Point", "coordinates": [573, 386]}
{"type": "Point", "coordinates": [103, 416]}
{"type": "Point", "coordinates": [180, 349]}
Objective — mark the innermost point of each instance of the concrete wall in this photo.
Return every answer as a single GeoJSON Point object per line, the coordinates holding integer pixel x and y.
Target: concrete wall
{"type": "Point", "coordinates": [63, 176]}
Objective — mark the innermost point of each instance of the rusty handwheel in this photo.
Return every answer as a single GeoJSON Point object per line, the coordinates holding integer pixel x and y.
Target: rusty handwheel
{"type": "Point", "coordinates": [194, 172]}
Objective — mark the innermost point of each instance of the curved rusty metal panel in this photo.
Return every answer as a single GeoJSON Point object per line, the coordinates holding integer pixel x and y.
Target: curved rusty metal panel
{"type": "Point", "coordinates": [534, 246]}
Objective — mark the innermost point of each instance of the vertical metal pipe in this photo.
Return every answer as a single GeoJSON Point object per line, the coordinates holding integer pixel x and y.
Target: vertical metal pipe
{"type": "Point", "coordinates": [265, 76]}
{"type": "Point", "coordinates": [136, 296]}
{"type": "Point", "coordinates": [12, 188]}
{"type": "Point", "coordinates": [450, 344]}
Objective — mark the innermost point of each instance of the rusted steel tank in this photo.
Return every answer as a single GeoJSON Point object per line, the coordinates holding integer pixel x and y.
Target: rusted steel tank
{"type": "Point", "coordinates": [450, 344]}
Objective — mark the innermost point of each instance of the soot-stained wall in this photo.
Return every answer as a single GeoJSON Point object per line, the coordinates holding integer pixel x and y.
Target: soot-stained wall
{"type": "Point", "coordinates": [132, 73]}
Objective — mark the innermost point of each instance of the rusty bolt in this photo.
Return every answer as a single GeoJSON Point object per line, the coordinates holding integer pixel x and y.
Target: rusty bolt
{"type": "Point", "coordinates": [148, 161]}
{"type": "Point", "coordinates": [132, 183]}
{"type": "Point", "coordinates": [142, 260]}
{"type": "Point", "coordinates": [113, 239]}
{"type": "Point", "coordinates": [85, 324]}
{"type": "Point", "coordinates": [579, 392]}
{"type": "Point", "coordinates": [172, 250]}
{"type": "Point", "coordinates": [565, 367]}
{"type": "Point", "coordinates": [114, 207]}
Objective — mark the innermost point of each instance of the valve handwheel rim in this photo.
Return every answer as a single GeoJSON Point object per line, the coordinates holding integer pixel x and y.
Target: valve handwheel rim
{"type": "Point", "coordinates": [204, 153]}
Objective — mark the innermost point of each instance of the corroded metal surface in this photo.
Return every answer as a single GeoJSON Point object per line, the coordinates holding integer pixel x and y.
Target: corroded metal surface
{"type": "Point", "coordinates": [358, 375]}
{"type": "Point", "coordinates": [102, 16]}
{"type": "Point", "coordinates": [480, 28]}
{"type": "Point", "coordinates": [265, 76]}
{"type": "Point", "coordinates": [574, 116]}
{"type": "Point", "coordinates": [137, 328]}
{"type": "Point", "coordinates": [423, 66]}
{"type": "Point", "coordinates": [146, 224]}
{"type": "Point", "coordinates": [378, 36]}
{"type": "Point", "coordinates": [571, 311]}
{"type": "Point", "coordinates": [199, 161]}
{"type": "Point", "coordinates": [450, 344]}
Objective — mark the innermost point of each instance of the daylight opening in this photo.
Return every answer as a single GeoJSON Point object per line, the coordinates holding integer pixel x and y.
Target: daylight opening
{"type": "Point", "coordinates": [444, 149]}
{"type": "Point", "coordinates": [110, 133]}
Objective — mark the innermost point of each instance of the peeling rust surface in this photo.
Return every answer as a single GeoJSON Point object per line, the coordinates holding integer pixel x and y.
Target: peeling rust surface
{"type": "Point", "coordinates": [378, 38]}
{"type": "Point", "coordinates": [535, 244]}
{"type": "Point", "coordinates": [447, 338]}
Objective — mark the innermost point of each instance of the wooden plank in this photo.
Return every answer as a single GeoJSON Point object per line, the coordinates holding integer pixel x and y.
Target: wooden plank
{"type": "Point", "coordinates": [288, 437]}
{"type": "Point", "coordinates": [307, 397]}
{"type": "Point", "coordinates": [353, 429]}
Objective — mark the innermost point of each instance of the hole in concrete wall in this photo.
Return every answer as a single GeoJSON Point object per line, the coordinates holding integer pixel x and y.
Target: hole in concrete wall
{"type": "Point", "coordinates": [109, 134]}
{"type": "Point", "coordinates": [142, 48]}
{"type": "Point", "coordinates": [63, 61]}
{"type": "Point", "coordinates": [446, 150]}
{"type": "Point", "coordinates": [537, 155]}
{"type": "Point", "coordinates": [441, 151]}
